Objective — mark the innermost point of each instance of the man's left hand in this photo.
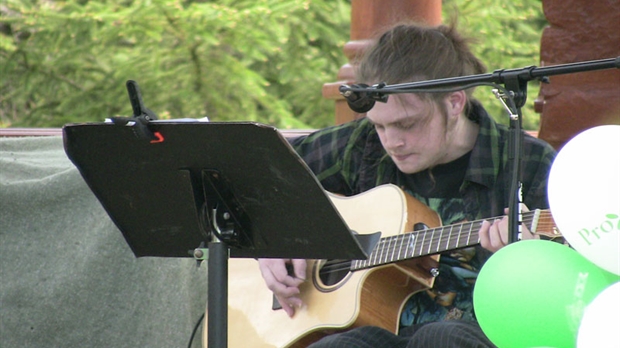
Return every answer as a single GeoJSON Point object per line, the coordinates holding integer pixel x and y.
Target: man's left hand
{"type": "Point", "coordinates": [494, 236]}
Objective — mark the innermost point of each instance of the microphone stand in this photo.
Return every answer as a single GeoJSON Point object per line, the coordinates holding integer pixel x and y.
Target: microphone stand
{"type": "Point", "coordinates": [513, 95]}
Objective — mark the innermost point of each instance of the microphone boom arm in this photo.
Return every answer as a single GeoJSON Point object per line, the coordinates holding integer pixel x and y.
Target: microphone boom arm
{"type": "Point", "coordinates": [514, 79]}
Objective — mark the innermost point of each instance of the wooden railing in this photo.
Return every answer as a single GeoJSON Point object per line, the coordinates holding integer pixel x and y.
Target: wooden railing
{"type": "Point", "coordinates": [36, 132]}
{"type": "Point", "coordinates": [29, 132]}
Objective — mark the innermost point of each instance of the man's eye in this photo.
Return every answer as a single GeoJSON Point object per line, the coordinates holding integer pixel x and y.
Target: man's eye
{"type": "Point", "coordinates": [407, 125]}
{"type": "Point", "coordinates": [379, 127]}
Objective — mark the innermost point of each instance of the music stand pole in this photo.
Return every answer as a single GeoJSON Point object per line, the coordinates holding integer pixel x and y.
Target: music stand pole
{"type": "Point", "coordinates": [218, 294]}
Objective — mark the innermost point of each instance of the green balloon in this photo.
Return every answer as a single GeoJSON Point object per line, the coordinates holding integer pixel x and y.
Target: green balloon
{"type": "Point", "coordinates": [533, 293]}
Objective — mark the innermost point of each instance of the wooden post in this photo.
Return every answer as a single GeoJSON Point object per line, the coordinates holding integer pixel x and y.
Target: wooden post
{"type": "Point", "coordinates": [367, 18]}
{"type": "Point", "coordinates": [579, 31]}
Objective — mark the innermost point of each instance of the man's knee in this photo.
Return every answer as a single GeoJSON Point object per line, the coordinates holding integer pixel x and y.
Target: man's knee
{"type": "Point", "coordinates": [365, 336]}
{"type": "Point", "coordinates": [451, 334]}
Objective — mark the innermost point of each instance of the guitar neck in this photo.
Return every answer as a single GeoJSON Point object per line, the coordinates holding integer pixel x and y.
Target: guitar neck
{"type": "Point", "coordinates": [436, 240]}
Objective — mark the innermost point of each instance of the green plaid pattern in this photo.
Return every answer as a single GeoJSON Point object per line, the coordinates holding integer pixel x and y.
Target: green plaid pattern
{"type": "Point", "coordinates": [348, 159]}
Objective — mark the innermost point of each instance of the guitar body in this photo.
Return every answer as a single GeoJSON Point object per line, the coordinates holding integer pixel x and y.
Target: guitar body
{"type": "Point", "coordinates": [366, 297]}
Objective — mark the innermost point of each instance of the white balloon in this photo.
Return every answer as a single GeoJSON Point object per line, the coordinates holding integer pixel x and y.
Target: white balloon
{"type": "Point", "coordinates": [601, 320]}
{"type": "Point", "coordinates": [584, 195]}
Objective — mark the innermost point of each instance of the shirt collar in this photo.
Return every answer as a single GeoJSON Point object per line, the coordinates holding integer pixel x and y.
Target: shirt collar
{"type": "Point", "coordinates": [484, 163]}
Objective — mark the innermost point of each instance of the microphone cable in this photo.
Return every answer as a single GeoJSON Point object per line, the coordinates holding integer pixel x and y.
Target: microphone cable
{"type": "Point", "coordinates": [191, 339]}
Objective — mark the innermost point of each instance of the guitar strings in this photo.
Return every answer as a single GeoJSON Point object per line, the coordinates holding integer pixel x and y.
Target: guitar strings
{"type": "Point", "coordinates": [386, 246]}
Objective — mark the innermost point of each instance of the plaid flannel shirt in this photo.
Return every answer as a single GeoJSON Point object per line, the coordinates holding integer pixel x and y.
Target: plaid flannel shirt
{"type": "Point", "coordinates": [349, 159]}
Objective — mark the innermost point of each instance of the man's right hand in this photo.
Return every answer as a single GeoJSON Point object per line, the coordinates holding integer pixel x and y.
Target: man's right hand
{"type": "Point", "coordinates": [284, 285]}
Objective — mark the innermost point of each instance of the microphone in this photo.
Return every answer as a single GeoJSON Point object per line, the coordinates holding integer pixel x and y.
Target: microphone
{"type": "Point", "coordinates": [361, 101]}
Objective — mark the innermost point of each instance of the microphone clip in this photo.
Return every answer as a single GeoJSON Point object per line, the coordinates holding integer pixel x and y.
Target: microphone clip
{"type": "Point", "coordinates": [361, 97]}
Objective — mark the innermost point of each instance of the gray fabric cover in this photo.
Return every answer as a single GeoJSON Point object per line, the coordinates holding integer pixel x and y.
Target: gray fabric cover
{"type": "Point", "coordinates": [67, 277]}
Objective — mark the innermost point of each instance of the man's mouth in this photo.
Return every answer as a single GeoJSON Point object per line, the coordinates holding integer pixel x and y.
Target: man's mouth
{"type": "Point", "coordinates": [400, 158]}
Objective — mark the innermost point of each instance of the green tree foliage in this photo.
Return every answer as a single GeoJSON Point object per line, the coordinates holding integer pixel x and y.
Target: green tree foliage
{"type": "Point", "coordinates": [257, 60]}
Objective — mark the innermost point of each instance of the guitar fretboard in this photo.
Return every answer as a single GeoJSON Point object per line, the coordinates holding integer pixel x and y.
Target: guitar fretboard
{"type": "Point", "coordinates": [434, 240]}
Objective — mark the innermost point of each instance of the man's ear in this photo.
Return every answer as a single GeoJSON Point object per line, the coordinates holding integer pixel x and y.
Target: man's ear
{"type": "Point", "coordinates": [455, 103]}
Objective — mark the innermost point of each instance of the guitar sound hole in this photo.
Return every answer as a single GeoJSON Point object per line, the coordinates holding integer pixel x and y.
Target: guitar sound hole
{"type": "Point", "coordinates": [333, 272]}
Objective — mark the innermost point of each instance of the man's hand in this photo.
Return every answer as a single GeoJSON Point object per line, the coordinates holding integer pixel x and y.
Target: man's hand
{"type": "Point", "coordinates": [494, 236]}
{"type": "Point", "coordinates": [284, 286]}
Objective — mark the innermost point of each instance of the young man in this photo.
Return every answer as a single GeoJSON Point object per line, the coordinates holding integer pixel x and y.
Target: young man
{"type": "Point", "coordinates": [444, 150]}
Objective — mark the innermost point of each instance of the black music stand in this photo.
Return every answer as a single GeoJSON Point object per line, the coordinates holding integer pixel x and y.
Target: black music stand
{"type": "Point", "coordinates": [174, 187]}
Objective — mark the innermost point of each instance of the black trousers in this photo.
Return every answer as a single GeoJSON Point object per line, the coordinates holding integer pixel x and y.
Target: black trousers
{"type": "Point", "coordinates": [445, 334]}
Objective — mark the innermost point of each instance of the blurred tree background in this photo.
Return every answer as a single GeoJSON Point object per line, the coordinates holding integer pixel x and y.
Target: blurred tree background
{"type": "Point", "coordinates": [231, 60]}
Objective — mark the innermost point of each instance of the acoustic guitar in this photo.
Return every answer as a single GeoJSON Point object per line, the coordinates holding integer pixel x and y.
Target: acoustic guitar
{"type": "Point", "coordinates": [342, 294]}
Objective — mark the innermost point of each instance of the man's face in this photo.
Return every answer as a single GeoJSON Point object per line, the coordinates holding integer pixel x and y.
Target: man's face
{"type": "Point", "coordinates": [412, 131]}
